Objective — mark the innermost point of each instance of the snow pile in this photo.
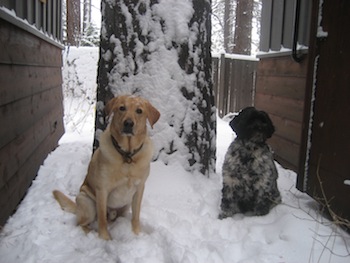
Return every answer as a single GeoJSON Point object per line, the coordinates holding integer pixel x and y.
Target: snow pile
{"type": "Point", "coordinates": [178, 217]}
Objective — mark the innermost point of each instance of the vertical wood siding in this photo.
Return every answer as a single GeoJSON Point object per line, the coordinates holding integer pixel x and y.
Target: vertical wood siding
{"type": "Point", "coordinates": [31, 110]}
{"type": "Point", "coordinates": [280, 90]}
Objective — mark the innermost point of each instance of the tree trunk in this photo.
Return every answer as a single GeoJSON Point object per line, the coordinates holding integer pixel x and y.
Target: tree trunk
{"type": "Point", "coordinates": [73, 22]}
{"type": "Point", "coordinates": [243, 27]}
{"type": "Point", "coordinates": [228, 27]}
{"type": "Point", "coordinates": [160, 50]}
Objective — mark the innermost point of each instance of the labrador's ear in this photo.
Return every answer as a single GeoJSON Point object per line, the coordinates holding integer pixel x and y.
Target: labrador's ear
{"type": "Point", "coordinates": [110, 106]}
{"type": "Point", "coordinates": [152, 114]}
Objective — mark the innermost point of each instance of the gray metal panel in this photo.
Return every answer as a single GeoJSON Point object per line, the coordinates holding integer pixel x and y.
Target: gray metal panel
{"type": "Point", "coordinates": [30, 11]}
{"type": "Point", "coordinates": [44, 16]}
{"type": "Point", "coordinates": [58, 20]}
{"type": "Point", "coordinates": [54, 18]}
{"type": "Point", "coordinates": [288, 25]}
{"type": "Point", "coordinates": [266, 14]}
{"type": "Point", "coordinates": [37, 10]}
{"type": "Point", "coordinates": [49, 17]}
{"type": "Point", "coordinates": [277, 25]}
{"type": "Point", "coordinates": [9, 4]}
{"type": "Point", "coordinates": [304, 22]}
{"type": "Point", "coordinates": [19, 8]}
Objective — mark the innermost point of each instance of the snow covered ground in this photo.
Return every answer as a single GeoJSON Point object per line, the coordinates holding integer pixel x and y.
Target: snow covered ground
{"type": "Point", "coordinates": [179, 211]}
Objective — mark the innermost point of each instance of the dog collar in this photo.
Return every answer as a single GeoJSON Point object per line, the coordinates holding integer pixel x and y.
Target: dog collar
{"type": "Point", "coordinates": [127, 156]}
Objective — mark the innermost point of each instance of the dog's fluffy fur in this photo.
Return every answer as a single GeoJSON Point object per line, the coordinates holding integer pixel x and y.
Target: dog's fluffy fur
{"type": "Point", "coordinates": [249, 172]}
{"type": "Point", "coordinates": [118, 169]}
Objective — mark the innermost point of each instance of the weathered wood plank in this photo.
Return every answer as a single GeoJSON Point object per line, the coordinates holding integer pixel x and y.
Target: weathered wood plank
{"type": "Point", "coordinates": [283, 107]}
{"type": "Point", "coordinates": [222, 86]}
{"type": "Point", "coordinates": [15, 153]}
{"type": "Point", "coordinates": [235, 71]}
{"type": "Point", "coordinates": [234, 87]}
{"type": "Point", "coordinates": [282, 66]}
{"type": "Point", "coordinates": [215, 77]}
{"type": "Point", "coordinates": [280, 91]}
{"type": "Point", "coordinates": [18, 82]}
{"type": "Point", "coordinates": [285, 151]}
{"type": "Point", "coordinates": [18, 116]}
{"type": "Point", "coordinates": [247, 86]}
{"type": "Point", "coordinates": [336, 192]}
{"type": "Point", "coordinates": [235, 83]}
{"type": "Point", "coordinates": [20, 47]}
{"type": "Point", "coordinates": [13, 192]}
{"type": "Point", "coordinates": [281, 86]}
{"type": "Point", "coordinates": [287, 129]}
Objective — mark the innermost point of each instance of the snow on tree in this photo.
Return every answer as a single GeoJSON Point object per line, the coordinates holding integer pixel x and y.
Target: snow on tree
{"type": "Point", "coordinates": [160, 50]}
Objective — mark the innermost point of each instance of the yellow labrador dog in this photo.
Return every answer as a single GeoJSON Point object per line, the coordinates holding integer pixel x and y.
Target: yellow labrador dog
{"type": "Point", "coordinates": [118, 169]}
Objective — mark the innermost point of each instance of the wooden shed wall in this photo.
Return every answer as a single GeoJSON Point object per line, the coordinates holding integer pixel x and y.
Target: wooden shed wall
{"type": "Point", "coordinates": [31, 110]}
{"type": "Point", "coordinates": [280, 91]}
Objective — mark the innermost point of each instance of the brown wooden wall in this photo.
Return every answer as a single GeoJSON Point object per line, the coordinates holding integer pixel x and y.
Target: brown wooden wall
{"type": "Point", "coordinates": [325, 164]}
{"type": "Point", "coordinates": [280, 91]}
{"type": "Point", "coordinates": [31, 110]}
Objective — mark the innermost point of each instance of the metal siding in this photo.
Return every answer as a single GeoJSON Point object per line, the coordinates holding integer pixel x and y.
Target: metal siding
{"type": "Point", "coordinates": [30, 12]}
{"type": "Point", "coordinates": [288, 25]}
{"type": "Point", "coordinates": [277, 25]}
{"type": "Point", "coordinates": [19, 8]}
{"type": "Point", "coordinates": [37, 8]}
{"type": "Point", "coordinates": [49, 17]}
{"type": "Point", "coordinates": [266, 14]}
{"type": "Point", "coordinates": [304, 23]}
{"type": "Point", "coordinates": [45, 15]}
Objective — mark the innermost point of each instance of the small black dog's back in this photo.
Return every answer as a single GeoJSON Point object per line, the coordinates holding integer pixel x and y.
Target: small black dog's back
{"type": "Point", "coordinates": [249, 171]}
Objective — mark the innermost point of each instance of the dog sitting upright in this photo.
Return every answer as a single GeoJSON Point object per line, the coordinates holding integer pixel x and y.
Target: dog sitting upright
{"type": "Point", "coordinates": [118, 169]}
{"type": "Point", "coordinates": [249, 172]}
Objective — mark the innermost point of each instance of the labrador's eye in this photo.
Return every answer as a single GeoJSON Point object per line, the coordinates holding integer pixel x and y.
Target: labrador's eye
{"type": "Point", "coordinates": [122, 108]}
{"type": "Point", "coordinates": [139, 111]}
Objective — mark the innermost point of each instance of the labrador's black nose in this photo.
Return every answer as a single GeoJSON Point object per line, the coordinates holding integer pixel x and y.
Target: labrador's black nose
{"type": "Point", "coordinates": [128, 125]}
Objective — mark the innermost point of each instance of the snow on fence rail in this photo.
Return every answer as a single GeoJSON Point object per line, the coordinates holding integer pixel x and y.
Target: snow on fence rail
{"type": "Point", "coordinates": [233, 82]}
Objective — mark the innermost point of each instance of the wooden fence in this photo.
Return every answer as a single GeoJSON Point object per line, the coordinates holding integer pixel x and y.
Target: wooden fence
{"type": "Point", "coordinates": [233, 82]}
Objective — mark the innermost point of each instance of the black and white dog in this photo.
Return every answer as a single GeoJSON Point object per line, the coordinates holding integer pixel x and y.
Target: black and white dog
{"type": "Point", "coordinates": [249, 172]}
